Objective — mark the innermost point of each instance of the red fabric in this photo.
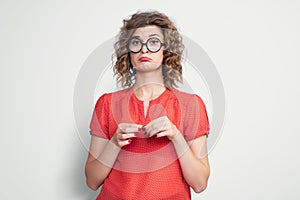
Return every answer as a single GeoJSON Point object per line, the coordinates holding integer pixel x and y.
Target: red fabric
{"type": "Point", "coordinates": [148, 168]}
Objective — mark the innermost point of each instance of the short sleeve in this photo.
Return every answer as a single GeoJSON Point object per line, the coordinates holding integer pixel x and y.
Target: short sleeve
{"type": "Point", "coordinates": [99, 125]}
{"type": "Point", "coordinates": [196, 121]}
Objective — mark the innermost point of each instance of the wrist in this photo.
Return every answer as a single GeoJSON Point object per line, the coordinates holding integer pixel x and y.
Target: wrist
{"type": "Point", "coordinates": [180, 144]}
{"type": "Point", "coordinates": [109, 154]}
{"type": "Point", "coordinates": [114, 141]}
{"type": "Point", "coordinates": [176, 134]}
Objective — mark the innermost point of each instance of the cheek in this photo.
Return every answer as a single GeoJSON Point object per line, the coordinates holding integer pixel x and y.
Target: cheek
{"type": "Point", "coordinates": [159, 57]}
{"type": "Point", "coordinates": [133, 59]}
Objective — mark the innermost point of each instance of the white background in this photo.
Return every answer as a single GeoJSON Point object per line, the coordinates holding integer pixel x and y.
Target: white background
{"type": "Point", "coordinates": [255, 46]}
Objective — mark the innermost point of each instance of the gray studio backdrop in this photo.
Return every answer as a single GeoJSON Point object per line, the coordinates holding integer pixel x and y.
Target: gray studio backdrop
{"type": "Point", "coordinates": [254, 46]}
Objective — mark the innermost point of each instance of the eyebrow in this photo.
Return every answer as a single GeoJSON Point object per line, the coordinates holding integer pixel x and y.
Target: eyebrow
{"type": "Point", "coordinates": [151, 35]}
{"type": "Point", "coordinates": [154, 35]}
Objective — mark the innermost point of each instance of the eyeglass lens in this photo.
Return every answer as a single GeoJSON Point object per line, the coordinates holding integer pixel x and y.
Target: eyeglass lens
{"type": "Point", "coordinates": [152, 44]}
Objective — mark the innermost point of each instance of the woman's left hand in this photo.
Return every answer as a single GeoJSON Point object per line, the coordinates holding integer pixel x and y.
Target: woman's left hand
{"type": "Point", "coordinates": [161, 127]}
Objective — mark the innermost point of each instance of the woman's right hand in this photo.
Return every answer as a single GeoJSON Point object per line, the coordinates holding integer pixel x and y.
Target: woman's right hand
{"type": "Point", "coordinates": [124, 133]}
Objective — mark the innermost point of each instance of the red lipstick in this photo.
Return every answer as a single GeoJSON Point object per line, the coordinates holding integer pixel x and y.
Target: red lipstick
{"type": "Point", "coordinates": [144, 59]}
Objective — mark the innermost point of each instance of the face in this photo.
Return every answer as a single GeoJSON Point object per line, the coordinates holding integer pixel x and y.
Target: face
{"type": "Point", "coordinates": [147, 59]}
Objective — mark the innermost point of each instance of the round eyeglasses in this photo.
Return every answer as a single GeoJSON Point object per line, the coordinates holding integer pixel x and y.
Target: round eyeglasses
{"type": "Point", "coordinates": [153, 45]}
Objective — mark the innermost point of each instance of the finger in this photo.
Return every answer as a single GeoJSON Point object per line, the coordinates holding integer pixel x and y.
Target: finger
{"type": "Point", "coordinates": [151, 123]}
{"type": "Point", "coordinates": [151, 126]}
{"type": "Point", "coordinates": [125, 125]}
{"type": "Point", "coordinates": [152, 131]}
{"type": "Point", "coordinates": [126, 136]}
{"type": "Point", "coordinates": [155, 128]}
{"type": "Point", "coordinates": [130, 127]}
{"type": "Point", "coordinates": [124, 143]}
{"type": "Point", "coordinates": [162, 134]}
{"type": "Point", "coordinates": [156, 131]}
{"type": "Point", "coordinates": [160, 120]}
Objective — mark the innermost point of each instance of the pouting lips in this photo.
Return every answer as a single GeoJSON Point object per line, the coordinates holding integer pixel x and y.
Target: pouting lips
{"type": "Point", "coordinates": [144, 59]}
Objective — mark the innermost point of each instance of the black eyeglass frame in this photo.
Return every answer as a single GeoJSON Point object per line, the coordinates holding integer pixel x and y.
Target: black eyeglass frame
{"type": "Point", "coordinates": [145, 43]}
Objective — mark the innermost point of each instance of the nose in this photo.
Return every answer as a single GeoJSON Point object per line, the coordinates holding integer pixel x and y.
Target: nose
{"type": "Point", "coordinates": [144, 49]}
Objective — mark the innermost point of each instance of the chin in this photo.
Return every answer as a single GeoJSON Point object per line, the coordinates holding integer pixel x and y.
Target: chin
{"type": "Point", "coordinates": [148, 67]}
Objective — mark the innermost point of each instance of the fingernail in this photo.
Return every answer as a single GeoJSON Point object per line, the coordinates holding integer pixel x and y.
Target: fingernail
{"type": "Point", "coordinates": [129, 141]}
{"type": "Point", "coordinates": [141, 129]}
{"type": "Point", "coordinates": [146, 135]}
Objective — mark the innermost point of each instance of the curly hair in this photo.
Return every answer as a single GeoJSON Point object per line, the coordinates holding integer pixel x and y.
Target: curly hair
{"type": "Point", "coordinates": [172, 54]}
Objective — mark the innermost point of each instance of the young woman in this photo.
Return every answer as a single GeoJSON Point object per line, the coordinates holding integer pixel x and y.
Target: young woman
{"type": "Point", "coordinates": [148, 141]}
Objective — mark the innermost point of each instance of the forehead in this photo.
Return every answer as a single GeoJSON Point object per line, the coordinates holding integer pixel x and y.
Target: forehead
{"type": "Point", "coordinates": [148, 31]}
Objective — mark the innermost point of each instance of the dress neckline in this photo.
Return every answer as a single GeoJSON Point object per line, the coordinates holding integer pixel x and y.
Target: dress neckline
{"type": "Point", "coordinates": [142, 101]}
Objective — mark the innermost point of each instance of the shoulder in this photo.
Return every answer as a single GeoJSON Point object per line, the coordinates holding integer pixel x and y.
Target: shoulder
{"type": "Point", "coordinates": [107, 97]}
{"type": "Point", "coordinates": [182, 93]}
{"type": "Point", "coordinates": [187, 98]}
{"type": "Point", "coordinates": [115, 94]}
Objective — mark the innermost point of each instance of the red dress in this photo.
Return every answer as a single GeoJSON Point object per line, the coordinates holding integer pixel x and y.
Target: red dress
{"type": "Point", "coordinates": [148, 168]}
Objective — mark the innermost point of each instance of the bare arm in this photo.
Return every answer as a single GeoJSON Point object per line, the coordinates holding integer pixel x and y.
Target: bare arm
{"type": "Point", "coordinates": [192, 155]}
{"type": "Point", "coordinates": [103, 154]}
{"type": "Point", "coordinates": [101, 158]}
{"type": "Point", "coordinates": [193, 161]}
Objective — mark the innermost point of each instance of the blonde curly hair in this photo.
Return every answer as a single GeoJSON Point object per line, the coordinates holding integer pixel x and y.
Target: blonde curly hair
{"type": "Point", "coordinates": [172, 54]}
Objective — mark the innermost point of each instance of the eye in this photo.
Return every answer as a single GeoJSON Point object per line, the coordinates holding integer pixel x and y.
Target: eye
{"type": "Point", "coordinates": [135, 42]}
{"type": "Point", "coordinates": [154, 41]}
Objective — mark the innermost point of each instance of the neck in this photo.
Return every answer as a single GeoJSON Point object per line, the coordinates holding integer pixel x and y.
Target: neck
{"type": "Point", "coordinates": [149, 85]}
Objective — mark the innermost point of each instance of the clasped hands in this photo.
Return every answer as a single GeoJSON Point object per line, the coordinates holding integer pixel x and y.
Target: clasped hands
{"type": "Point", "coordinates": [159, 127]}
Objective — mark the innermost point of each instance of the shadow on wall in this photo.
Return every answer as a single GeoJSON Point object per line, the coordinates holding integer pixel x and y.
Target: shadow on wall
{"type": "Point", "coordinates": [71, 179]}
